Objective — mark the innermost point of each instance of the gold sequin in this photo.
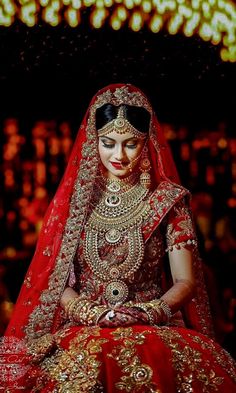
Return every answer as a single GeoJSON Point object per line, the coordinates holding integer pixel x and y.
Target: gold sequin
{"type": "Point", "coordinates": [189, 364]}
{"type": "Point", "coordinates": [76, 369]}
{"type": "Point", "coordinates": [136, 376]}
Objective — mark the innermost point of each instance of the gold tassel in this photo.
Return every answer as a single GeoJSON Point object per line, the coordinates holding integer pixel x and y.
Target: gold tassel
{"type": "Point", "coordinates": [145, 166]}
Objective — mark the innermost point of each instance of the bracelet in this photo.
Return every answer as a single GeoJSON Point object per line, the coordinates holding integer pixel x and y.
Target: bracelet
{"type": "Point", "coordinates": [83, 311]}
{"type": "Point", "coordinates": [160, 305]}
{"type": "Point", "coordinates": [154, 310]}
{"type": "Point", "coordinates": [69, 307]}
{"type": "Point", "coordinates": [151, 316]}
{"type": "Point", "coordinates": [148, 310]}
{"type": "Point", "coordinates": [103, 311]}
{"type": "Point", "coordinates": [95, 313]}
{"type": "Point", "coordinates": [78, 309]}
{"type": "Point", "coordinates": [166, 309]}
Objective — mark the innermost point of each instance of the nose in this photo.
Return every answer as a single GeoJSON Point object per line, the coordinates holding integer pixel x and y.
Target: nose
{"type": "Point", "coordinates": [119, 153]}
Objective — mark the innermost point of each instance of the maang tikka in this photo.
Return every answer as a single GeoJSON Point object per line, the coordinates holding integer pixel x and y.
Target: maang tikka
{"type": "Point", "coordinates": [145, 166]}
{"type": "Point", "coordinates": [120, 125]}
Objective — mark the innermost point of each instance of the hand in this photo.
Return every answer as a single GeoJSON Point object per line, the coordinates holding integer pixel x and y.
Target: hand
{"type": "Point", "coordinates": [140, 310]}
{"type": "Point", "coordinates": [124, 316]}
{"type": "Point", "coordinates": [116, 318]}
{"type": "Point", "coordinates": [140, 315]}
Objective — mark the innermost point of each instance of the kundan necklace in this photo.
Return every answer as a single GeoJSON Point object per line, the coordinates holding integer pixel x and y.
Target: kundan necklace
{"type": "Point", "coordinates": [118, 215]}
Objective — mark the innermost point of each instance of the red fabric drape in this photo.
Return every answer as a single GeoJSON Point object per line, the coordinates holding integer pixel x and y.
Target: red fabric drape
{"type": "Point", "coordinates": [38, 310]}
{"type": "Point", "coordinates": [50, 237]}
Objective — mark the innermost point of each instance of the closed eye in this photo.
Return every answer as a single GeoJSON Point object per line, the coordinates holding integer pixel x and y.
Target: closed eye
{"type": "Point", "coordinates": [111, 145]}
{"type": "Point", "coordinates": [133, 146]}
{"type": "Point", "coordinates": [108, 145]}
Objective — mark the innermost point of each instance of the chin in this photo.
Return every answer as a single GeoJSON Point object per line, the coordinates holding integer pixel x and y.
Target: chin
{"type": "Point", "coordinates": [123, 175]}
{"type": "Point", "coordinates": [119, 173]}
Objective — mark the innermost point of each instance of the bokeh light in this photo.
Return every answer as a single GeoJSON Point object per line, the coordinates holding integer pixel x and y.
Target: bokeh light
{"type": "Point", "coordinates": [213, 21]}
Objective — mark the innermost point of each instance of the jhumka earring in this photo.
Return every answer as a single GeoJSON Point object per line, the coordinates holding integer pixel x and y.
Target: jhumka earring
{"type": "Point", "coordinates": [145, 166]}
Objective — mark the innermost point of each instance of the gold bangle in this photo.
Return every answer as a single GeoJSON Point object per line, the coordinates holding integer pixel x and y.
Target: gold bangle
{"type": "Point", "coordinates": [77, 312]}
{"type": "Point", "coordinates": [150, 315]}
{"type": "Point", "coordinates": [166, 309]}
{"type": "Point", "coordinates": [103, 310]}
{"type": "Point", "coordinates": [69, 307]}
{"type": "Point", "coordinates": [148, 310]}
{"type": "Point", "coordinates": [82, 312]}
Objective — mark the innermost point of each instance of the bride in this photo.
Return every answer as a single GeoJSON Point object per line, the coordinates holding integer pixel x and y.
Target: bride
{"type": "Point", "coordinates": [114, 299]}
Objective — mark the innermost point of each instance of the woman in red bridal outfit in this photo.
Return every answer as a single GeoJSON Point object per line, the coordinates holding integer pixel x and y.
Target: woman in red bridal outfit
{"type": "Point", "coordinates": [114, 299]}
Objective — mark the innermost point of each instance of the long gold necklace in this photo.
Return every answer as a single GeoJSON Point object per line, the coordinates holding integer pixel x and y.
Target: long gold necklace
{"type": "Point", "coordinates": [114, 221]}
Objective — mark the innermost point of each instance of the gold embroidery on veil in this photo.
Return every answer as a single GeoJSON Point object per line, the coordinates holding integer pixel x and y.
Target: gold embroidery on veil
{"type": "Point", "coordinates": [41, 318]}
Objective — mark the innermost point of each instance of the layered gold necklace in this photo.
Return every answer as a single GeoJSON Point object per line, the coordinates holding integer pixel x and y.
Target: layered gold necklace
{"type": "Point", "coordinates": [118, 214]}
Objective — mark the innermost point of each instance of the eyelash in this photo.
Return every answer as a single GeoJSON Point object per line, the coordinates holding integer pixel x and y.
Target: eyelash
{"type": "Point", "coordinates": [111, 146]}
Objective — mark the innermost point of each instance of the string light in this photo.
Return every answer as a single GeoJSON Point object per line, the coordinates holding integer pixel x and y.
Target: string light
{"type": "Point", "coordinates": [136, 21]}
{"type": "Point", "coordinates": [156, 23]}
{"type": "Point", "coordinates": [98, 17]}
{"type": "Point", "coordinates": [212, 20]}
{"type": "Point", "coordinates": [122, 13]}
{"type": "Point", "coordinates": [72, 16]}
{"type": "Point", "coordinates": [115, 23]}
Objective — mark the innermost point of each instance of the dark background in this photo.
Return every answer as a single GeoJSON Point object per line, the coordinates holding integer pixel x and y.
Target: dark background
{"type": "Point", "coordinates": [54, 71]}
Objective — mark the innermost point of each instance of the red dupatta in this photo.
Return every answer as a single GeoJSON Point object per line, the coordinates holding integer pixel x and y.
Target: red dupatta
{"type": "Point", "coordinates": [38, 310]}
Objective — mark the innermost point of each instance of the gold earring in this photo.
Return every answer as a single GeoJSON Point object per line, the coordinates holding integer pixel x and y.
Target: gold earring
{"type": "Point", "coordinates": [145, 166]}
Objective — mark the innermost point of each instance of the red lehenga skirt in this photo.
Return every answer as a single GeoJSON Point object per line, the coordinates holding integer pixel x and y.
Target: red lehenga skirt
{"type": "Point", "coordinates": [143, 359]}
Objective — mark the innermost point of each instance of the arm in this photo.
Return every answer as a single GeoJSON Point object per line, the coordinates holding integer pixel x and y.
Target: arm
{"type": "Point", "coordinates": [68, 295]}
{"type": "Point", "coordinates": [182, 290]}
{"type": "Point", "coordinates": [181, 240]}
{"type": "Point", "coordinates": [183, 279]}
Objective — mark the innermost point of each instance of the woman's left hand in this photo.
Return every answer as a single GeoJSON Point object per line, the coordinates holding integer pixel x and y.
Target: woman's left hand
{"type": "Point", "coordinates": [117, 318]}
{"type": "Point", "coordinates": [123, 316]}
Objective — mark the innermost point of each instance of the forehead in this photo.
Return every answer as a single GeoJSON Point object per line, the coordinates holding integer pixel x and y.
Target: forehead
{"type": "Point", "coordinates": [119, 137]}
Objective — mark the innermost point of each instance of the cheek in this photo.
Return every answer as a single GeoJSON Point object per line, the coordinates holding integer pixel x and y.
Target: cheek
{"type": "Point", "coordinates": [103, 153]}
{"type": "Point", "coordinates": [132, 154]}
{"type": "Point", "coordinates": [135, 154]}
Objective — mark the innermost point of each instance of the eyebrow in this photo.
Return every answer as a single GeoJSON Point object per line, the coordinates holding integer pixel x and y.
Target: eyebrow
{"type": "Point", "coordinates": [126, 140]}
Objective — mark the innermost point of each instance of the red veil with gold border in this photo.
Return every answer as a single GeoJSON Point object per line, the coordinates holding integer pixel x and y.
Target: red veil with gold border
{"type": "Point", "coordinates": [38, 310]}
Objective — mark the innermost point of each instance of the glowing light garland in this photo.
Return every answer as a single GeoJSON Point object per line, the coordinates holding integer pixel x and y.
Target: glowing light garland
{"type": "Point", "coordinates": [212, 20]}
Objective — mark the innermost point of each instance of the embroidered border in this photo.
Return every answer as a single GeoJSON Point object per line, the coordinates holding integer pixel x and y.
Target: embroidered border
{"type": "Point", "coordinates": [41, 318]}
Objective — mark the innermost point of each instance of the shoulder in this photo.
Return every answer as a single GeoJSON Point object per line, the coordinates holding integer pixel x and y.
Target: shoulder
{"type": "Point", "coordinates": [167, 195]}
{"type": "Point", "coordinates": [161, 202]}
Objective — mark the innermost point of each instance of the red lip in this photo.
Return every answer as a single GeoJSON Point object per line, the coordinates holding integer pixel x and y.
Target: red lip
{"type": "Point", "coordinates": [116, 165]}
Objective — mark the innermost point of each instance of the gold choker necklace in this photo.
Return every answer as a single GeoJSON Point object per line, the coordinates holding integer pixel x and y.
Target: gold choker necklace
{"type": "Point", "coordinates": [116, 204]}
{"type": "Point", "coordinates": [117, 184]}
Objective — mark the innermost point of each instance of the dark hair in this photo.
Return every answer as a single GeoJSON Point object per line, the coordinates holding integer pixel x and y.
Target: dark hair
{"type": "Point", "coordinates": [137, 116]}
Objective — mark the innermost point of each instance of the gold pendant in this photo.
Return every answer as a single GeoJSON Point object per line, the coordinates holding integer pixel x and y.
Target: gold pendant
{"type": "Point", "coordinates": [116, 292]}
{"type": "Point", "coordinates": [112, 201]}
{"type": "Point", "coordinates": [113, 236]}
{"type": "Point", "coordinates": [114, 187]}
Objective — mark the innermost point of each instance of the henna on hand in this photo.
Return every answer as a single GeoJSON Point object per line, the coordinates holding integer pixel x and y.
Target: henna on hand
{"type": "Point", "coordinates": [117, 319]}
{"type": "Point", "coordinates": [140, 315]}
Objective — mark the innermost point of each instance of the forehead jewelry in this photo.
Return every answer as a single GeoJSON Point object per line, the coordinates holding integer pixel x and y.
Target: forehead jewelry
{"type": "Point", "coordinates": [120, 125]}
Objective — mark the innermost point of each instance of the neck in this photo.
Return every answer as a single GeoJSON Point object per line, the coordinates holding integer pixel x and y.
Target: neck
{"type": "Point", "coordinates": [132, 178]}
{"type": "Point", "coordinates": [117, 184]}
